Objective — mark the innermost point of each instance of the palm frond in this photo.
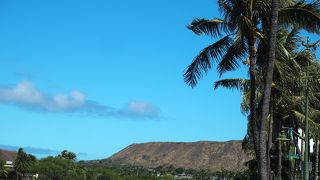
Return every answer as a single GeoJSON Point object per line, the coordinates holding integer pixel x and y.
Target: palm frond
{"type": "Point", "coordinates": [230, 8]}
{"type": "Point", "coordinates": [286, 3]}
{"type": "Point", "coordinates": [230, 61]}
{"type": "Point", "coordinates": [213, 27]}
{"type": "Point", "coordinates": [235, 83]}
{"type": "Point", "coordinates": [302, 58]}
{"type": "Point", "coordinates": [225, 8]}
{"type": "Point", "coordinates": [292, 40]}
{"type": "Point", "coordinates": [263, 7]}
{"type": "Point", "coordinates": [302, 15]}
{"type": "Point", "coordinates": [203, 62]}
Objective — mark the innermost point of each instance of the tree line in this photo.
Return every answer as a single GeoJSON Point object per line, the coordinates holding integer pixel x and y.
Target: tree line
{"type": "Point", "coordinates": [65, 166]}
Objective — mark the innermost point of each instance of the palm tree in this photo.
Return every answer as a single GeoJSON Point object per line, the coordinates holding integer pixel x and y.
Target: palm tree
{"type": "Point", "coordinates": [244, 24]}
{"type": "Point", "coordinates": [239, 31]}
{"type": "Point", "coordinates": [23, 163]}
{"type": "Point", "coordinates": [267, 91]}
{"type": "Point", "coordinates": [68, 155]}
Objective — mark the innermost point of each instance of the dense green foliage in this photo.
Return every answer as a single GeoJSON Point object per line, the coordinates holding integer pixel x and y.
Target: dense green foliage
{"type": "Point", "coordinates": [58, 168]}
{"type": "Point", "coordinates": [24, 163]}
{"type": "Point", "coordinates": [52, 168]}
{"type": "Point", "coordinates": [68, 155]}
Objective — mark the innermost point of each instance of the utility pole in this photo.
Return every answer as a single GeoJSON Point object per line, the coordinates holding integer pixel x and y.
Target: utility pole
{"type": "Point", "coordinates": [306, 130]}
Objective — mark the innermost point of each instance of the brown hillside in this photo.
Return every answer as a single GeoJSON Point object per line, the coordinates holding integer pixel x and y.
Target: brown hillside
{"type": "Point", "coordinates": [196, 155]}
{"type": "Point", "coordinates": [6, 155]}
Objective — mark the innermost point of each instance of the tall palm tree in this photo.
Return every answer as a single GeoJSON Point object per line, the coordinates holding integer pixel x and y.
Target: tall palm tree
{"type": "Point", "coordinates": [267, 91]}
{"type": "Point", "coordinates": [239, 31]}
{"type": "Point", "coordinates": [244, 24]}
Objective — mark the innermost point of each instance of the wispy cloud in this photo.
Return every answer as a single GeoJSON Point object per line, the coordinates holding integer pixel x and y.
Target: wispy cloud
{"type": "Point", "coordinates": [31, 150]}
{"type": "Point", "coordinates": [139, 109]}
{"type": "Point", "coordinates": [39, 152]}
{"type": "Point", "coordinates": [27, 96]}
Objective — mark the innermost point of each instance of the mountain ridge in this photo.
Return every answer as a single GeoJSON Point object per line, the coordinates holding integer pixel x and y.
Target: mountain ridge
{"type": "Point", "coordinates": [211, 155]}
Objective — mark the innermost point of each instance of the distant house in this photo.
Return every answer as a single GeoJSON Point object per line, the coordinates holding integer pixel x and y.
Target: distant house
{"type": "Point", "coordinates": [29, 176]}
{"type": "Point", "coordinates": [9, 164]}
{"type": "Point", "coordinates": [183, 176]}
{"type": "Point", "coordinates": [8, 157]}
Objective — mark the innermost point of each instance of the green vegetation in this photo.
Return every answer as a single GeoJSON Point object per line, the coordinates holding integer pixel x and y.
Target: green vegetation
{"type": "Point", "coordinates": [3, 171]}
{"type": "Point", "coordinates": [59, 168]}
{"type": "Point", "coordinates": [64, 167]}
{"type": "Point", "coordinates": [68, 155]}
{"type": "Point", "coordinates": [24, 163]}
{"type": "Point", "coordinates": [52, 168]}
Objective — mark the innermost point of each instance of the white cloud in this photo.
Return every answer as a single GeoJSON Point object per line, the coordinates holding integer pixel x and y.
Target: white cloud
{"type": "Point", "coordinates": [74, 100]}
{"type": "Point", "coordinates": [23, 92]}
{"type": "Point", "coordinates": [27, 96]}
{"type": "Point", "coordinates": [140, 109]}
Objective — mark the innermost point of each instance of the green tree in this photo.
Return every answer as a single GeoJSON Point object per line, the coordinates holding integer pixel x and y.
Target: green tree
{"type": "Point", "coordinates": [23, 163]}
{"type": "Point", "coordinates": [52, 168]}
{"type": "Point", "coordinates": [68, 155]}
{"type": "Point", "coordinates": [239, 31]}
{"type": "Point", "coordinates": [3, 170]}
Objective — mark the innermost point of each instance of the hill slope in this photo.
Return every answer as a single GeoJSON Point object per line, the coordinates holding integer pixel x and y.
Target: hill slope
{"type": "Point", "coordinates": [6, 155]}
{"type": "Point", "coordinates": [195, 155]}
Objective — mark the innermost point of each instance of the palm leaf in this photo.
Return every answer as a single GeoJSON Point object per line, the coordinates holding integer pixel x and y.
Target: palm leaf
{"type": "Point", "coordinates": [236, 83]}
{"type": "Point", "coordinates": [292, 40]}
{"type": "Point", "coordinates": [225, 8]}
{"type": "Point", "coordinates": [230, 61]}
{"type": "Point", "coordinates": [213, 27]}
{"type": "Point", "coordinates": [203, 62]}
{"type": "Point", "coordinates": [302, 16]}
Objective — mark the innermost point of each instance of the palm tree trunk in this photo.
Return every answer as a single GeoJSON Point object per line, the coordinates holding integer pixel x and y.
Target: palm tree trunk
{"type": "Point", "coordinates": [279, 166]}
{"type": "Point", "coordinates": [316, 164]}
{"type": "Point", "coordinates": [270, 141]}
{"type": "Point", "coordinates": [252, 61]}
{"type": "Point", "coordinates": [279, 149]}
{"type": "Point", "coordinates": [267, 91]}
{"type": "Point", "coordinates": [253, 88]}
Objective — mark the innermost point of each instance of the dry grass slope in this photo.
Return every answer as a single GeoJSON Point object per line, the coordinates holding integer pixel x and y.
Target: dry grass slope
{"type": "Point", "coordinates": [196, 155]}
{"type": "Point", "coordinates": [6, 155]}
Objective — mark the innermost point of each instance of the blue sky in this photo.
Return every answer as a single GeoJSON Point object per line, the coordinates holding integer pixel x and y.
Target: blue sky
{"type": "Point", "coordinates": [96, 76]}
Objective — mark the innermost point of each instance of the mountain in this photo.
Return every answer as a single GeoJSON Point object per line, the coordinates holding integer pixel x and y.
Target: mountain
{"type": "Point", "coordinates": [214, 156]}
{"type": "Point", "coordinates": [6, 155]}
